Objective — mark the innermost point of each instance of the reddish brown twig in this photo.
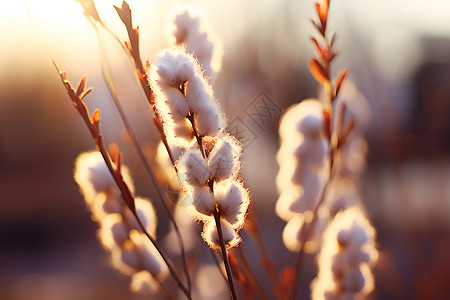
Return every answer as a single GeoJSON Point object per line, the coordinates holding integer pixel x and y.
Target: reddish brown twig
{"type": "Point", "coordinates": [320, 68]}
{"type": "Point", "coordinates": [112, 159]}
{"type": "Point", "coordinates": [132, 49]}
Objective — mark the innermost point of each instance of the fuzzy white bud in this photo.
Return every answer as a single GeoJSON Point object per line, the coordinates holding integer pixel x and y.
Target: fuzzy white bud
{"type": "Point", "coordinates": [188, 28]}
{"type": "Point", "coordinates": [345, 258]}
{"type": "Point", "coordinates": [146, 214]}
{"type": "Point", "coordinates": [198, 93]}
{"type": "Point", "coordinates": [148, 257]}
{"type": "Point", "coordinates": [208, 120]}
{"type": "Point", "coordinates": [211, 235]}
{"type": "Point", "coordinates": [223, 160]}
{"type": "Point", "coordinates": [232, 199]}
{"type": "Point", "coordinates": [93, 176]}
{"type": "Point", "coordinates": [202, 199]}
{"type": "Point", "coordinates": [193, 168]}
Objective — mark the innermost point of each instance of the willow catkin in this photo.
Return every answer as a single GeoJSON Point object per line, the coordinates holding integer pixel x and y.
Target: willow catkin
{"type": "Point", "coordinates": [131, 251]}
{"type": "Point", "coordinates": [209, 166]}
{"type": "Point", "coordinates": [347, 253]}
{"type": "Point", "coordinates": [187, 27]}
{"type": "Point", "coordinates": [303, 159]}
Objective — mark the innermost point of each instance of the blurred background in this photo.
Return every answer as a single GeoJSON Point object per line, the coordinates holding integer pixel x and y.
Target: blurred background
{"type": "Point", "coordinates": [398, 56]}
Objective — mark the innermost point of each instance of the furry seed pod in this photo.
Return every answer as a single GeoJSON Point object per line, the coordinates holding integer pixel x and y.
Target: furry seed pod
{"type": "Point", "coordinates": [345, 258]}
{"type": "Point", "coordinates": [148, 257]}
{"type": "Point", "coordinates": [208, 120]}
{"type": "Point", "coordinates": [285, 200]}
{"type": "Point", "coordinates": [172, 68]}
{"type": "Point", "coordinates": [198, 93]}
{"type": "Point", "coordinates": [188, 28]}
{"type": "Point", "coordinates": [211, 236]}
{"type": "Point", "coordinates": [232, 200]}
{"type": "Point", "coordinates": [223, 160]}
{"type": "Point", "coordinates": [193, 168]}
{"type": "Point", "coordinates": [175, 100]}
{"type": "Point", "coordinates": [202, 199]}
{"type": "Point", "coordinates": [292, 233]}
{"type": "Point", "coordinates": [93, 176]}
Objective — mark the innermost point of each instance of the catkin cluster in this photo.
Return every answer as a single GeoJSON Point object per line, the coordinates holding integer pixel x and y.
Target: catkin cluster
{"type": "Point", "coordinates": [347, 253]}
{"type": "Point", "coordinates": [212, 184]}
{"type": "Point", "coordinates": [131, 251]}
{"type": "Point", "coordinates": [209, 166]}
{"type": "Point", "coordinates": [303, 160]}
{"type": "Point", "coordinates": [188, 28]}
{"type": "Point", "coordinates": [183, 98]}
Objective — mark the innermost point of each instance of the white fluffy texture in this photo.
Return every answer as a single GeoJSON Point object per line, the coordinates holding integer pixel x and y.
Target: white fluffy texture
{"type": "Point", "coordinates": [176, 72]}
{"type": "Point", "coordinates": [223, 160]}
{"type": "Point", "coordinates": [312, 188]}
{"type": "Point", "coordinates": [146, 214]}
{"type": "Point", "coordinates": [198, 93]}
{"type": "Point", "coordinates": [202, 199]}
{"type": "Point", "coordinates": [144, 283]}
{"type": "Point", "coordinates": [302, 157]}
{"type": "Point", "coordinates": [211, 235]}
{"type": "Point", "coordinates": [147, 257]}
{"type": "Point", "coordinates": [110, 203]}
{"type": "Point", "coordinates": [113, 231]}
{"type": "Point", "coordinates": [193, 168]}
{"type": "Point", "coordinates": [131, 251]}
{"type": "Point", "coordinates": [208, 120]}
{"type": "Point", "coordinates": [285, 200]}
{"type": "Point", "coordinates": [93, 177]}
{"type": "Point", "coordinates": [347, 253]}
{"type": "Point", "coordinates": [188, 28]}
{"type": "Point", "coordinates": [179, 108]}
{"type": "Point", "coordinates": [232, 200]}
{"type": "Point", "coordinates": [172, 69]}
{"type": "Point", "coordinates": [293, 235]}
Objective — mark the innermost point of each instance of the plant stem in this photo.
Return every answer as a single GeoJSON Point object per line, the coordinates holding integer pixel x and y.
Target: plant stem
{"type": "Point", "coordinates": [169, 265]}
{"type": "Point", "coordinates": [223, 248]}
{"type": "Point", "coordinates": [126, 195]}
{"type": "Point", "coordinates": [94, 129]}
{"type": "Point", "coordinates": [163, 199]}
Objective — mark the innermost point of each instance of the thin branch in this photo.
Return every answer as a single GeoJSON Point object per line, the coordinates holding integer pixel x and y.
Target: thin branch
{"type": "Point", "coordinates": [148, 92]}
{"type": "Point", "coordinates": [223, 248]}
{"type": "Point", "coordinates": [322, 73]}
{"type": "Point", "coordinates": [94, 128]}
